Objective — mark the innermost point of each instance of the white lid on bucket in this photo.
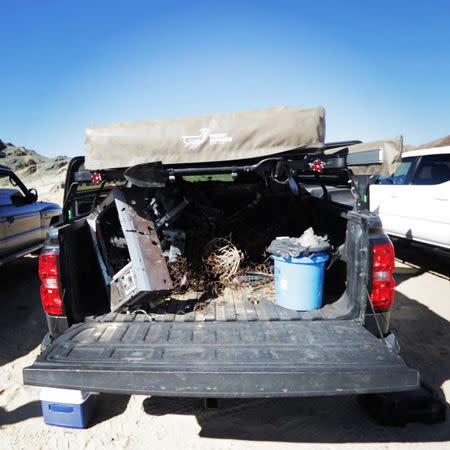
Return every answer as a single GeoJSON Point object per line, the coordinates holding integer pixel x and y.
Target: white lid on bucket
{"type": "Point", "coordinates": [71, 396]}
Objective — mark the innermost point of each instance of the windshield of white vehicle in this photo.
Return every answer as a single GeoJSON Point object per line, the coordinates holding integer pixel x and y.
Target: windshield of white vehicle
{"type": "Point", "coordinates": [402, 174]}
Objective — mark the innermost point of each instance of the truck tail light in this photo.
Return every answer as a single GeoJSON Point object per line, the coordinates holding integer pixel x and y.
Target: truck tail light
{"type": "Point", "coordinates": [49, 275]}
{"type": "Point", "coordinates": [383, 265]}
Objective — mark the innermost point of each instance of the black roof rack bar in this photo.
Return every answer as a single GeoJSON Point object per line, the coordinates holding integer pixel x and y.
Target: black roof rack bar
{"type": "Point", "coordinates": [328, 145]}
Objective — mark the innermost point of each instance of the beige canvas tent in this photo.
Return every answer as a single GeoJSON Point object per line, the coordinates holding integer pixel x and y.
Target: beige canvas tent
{"type": "Point", "coordinates": [221, 137]}
{"type": "Point", "coordinates": [217, 137]}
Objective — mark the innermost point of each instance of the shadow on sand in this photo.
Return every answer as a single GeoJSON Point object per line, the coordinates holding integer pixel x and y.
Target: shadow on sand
{"type": "Point", "coordinates": [421, 259]}
{"type": "Point", "coordinates": [22, 321]}
{"type": "Point", "coordinates": [109, 406]}
{"type": "Point", "coordinates": [24, 412]}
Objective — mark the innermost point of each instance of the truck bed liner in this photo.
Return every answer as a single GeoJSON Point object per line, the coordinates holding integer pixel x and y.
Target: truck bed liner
{"type": "Point", "coordinates": [231, 307]}
{"type": "Point", "coordinates": [222, 359]}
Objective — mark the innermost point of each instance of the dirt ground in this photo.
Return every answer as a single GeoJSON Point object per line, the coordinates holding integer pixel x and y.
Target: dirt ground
{"type": "Point", "coordinates": [421, 319]}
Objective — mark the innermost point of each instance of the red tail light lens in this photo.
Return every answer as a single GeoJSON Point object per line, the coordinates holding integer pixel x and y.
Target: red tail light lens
{"type": "Point", "coordinates": [49, 275]}
{"type": "Point", "coordinates": [383, 265]}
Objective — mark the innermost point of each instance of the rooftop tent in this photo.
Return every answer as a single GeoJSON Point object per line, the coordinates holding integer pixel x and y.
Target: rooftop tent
{"type": "Point", "coordinates": [209, 138]}
{"type": "Point", "coordinates": [384, 156]}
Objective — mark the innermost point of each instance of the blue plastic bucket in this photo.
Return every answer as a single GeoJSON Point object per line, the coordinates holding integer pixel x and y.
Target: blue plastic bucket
{"type": "Point", "coordinates": [299, 281]}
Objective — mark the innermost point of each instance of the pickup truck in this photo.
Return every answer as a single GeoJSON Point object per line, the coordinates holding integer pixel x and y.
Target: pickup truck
{"type": "Point", "coordinates": [109, 288]}
{"type": "Point", "coordinates": [23, 220]}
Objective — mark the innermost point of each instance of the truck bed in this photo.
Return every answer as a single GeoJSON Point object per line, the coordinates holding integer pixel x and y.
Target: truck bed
{"type": "Point", "coordinates": [240, 304]}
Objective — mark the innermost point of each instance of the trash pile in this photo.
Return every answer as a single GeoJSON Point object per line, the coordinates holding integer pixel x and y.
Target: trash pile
{"type": "Point", "coordinates": [154, 243]}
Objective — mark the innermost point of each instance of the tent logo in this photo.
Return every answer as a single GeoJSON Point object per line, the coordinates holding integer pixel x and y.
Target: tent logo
{"type": "Point", "coordinates": [192, 142]}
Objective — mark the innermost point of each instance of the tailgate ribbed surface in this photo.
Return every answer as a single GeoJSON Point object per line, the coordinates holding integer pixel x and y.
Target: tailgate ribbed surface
{"type": "Point", "coordinates": [221, 359]}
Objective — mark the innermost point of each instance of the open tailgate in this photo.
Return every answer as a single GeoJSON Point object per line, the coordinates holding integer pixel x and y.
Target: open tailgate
{"type": "Point", "coordinates": [222, 359]}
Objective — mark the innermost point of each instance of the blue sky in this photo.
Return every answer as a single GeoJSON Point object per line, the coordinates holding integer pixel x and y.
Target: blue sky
{"type": "Point", "coordinates": [379, 68]}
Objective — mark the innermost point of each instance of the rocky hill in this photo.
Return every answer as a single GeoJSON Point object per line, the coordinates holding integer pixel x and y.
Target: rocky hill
{"type": "Point", "coordinates": [44, 174]}
{"type": "Point", "coordinates": [442, 142]}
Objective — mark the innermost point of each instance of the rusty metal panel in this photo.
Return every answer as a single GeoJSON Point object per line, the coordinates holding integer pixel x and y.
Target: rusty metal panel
{"type": "Point", "coordinates": [145, 277]}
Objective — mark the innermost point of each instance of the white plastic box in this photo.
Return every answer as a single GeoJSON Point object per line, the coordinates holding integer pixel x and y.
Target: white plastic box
{"type": "Point", "coordinates": [67, 408]}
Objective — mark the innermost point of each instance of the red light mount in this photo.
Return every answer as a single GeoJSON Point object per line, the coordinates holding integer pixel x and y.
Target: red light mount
{"type": "Point", "coordinates": [317, 166]}
{"type": "Point", "coordinates": [97, 177]}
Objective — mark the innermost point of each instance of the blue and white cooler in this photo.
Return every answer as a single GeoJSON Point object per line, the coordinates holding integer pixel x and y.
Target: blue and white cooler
{"type": "Point", "coordinates": [66, 407]}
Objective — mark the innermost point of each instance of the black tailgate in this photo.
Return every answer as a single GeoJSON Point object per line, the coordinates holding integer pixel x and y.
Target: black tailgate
{"type": "Point", "coordinates": [222, 359]}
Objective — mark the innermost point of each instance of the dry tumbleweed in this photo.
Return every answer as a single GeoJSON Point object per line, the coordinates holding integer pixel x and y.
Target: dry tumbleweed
{"type": "Point", "coordinates": [222, 258]}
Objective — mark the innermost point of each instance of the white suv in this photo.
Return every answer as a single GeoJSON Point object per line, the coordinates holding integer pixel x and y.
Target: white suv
{"type": "Point", "coordinates": [414, 203]}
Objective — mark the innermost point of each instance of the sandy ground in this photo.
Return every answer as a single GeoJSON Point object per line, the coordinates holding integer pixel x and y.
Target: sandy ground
{"type": "Point", "coordinates": [421, 318]}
